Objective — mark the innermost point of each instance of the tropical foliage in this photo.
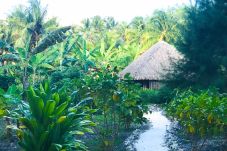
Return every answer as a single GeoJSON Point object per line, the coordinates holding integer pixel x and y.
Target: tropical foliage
{"type": "Point", "coordinates": [118, 101]}
{"type": "Point", "coordinates": [54, 121]}
{"type": "Point", "coordinates": [205, 49]}
{"type": "Point", "coordinates": [201, 114]}
{"type": "Point", "coordinates": [54, 80]}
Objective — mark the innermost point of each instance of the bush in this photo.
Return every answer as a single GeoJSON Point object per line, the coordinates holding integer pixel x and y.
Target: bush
{"type": "Point", "coordinates": [119, 102]}
{"type": "Point", "coordinates": [149, 95]}
{"type": "Point", "coordinates": [54, 121]}
{"type": "Point", "coordinates": [201, 113]}
{"type": "Point", "coordinates": [162, 95]}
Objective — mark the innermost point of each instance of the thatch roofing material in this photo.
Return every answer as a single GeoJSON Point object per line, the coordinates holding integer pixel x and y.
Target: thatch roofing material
{"type": "Point", "coordinates": [154, 63]}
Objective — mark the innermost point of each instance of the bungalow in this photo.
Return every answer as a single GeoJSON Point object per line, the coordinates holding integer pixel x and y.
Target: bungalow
{"type": "Point", "coordinates": [150, 68]}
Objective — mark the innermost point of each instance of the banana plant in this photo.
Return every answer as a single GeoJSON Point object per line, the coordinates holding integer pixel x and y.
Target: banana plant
{"type": "Point", "coordinates": [83, 54]}
{"type": "Point", "coordinates": [32, 32]}
{"type": "Point", "coordinates": [105, 55]}
{"type": "Point", "coordinates": [54, 123]}
{"type": "Point", "coordinates": [42, 62]}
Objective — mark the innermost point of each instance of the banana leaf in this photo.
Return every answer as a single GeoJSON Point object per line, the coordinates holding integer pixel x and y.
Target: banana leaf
{"type": "Point", "coordinates": [51, 39]}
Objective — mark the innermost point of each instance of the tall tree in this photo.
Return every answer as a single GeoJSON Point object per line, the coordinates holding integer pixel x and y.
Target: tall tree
{"type": "Point", "coordinates": [33, 33]}
{"type": "Point", "coordinates": [164, 24]}
{"type": "Point", "coordinates": [204, 46]}
{"type": "Point", "coordinates": [110, 23]}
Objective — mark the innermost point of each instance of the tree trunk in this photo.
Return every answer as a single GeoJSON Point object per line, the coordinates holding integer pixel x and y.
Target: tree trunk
{"type": "Point", "coordinates": [25, 82]}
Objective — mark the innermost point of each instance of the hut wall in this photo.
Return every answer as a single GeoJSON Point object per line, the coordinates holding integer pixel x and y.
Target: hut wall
{"type": "Point", "coordinates": [149, 84]}
{"type": "Point", "coordinates": [154, 84]}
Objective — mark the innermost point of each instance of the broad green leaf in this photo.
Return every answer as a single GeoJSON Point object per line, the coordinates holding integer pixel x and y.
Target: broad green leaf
{"type": "Point", "coordinates": [61, 108]}
{"type": "Point", "coordinates": [49, 108]}
{"type": "Point", "coordinates": [78, 132]}
{"type": "Point", "coordinates": [61, 119]}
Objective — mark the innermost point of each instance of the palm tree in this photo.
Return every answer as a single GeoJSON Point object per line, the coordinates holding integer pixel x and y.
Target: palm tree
{"type": "Point", "coordinates": [138, 23]}
{"type": "Point", "coordinates": [30, 30]}
{"type": "Point", "coordinates": [97, 23]}
{"type": "Point", "coordinates": [110, 23]}
{"type": "Point", "coordinates": [164, 24]}
{"type": "Point", "coordinates": [86, 24]}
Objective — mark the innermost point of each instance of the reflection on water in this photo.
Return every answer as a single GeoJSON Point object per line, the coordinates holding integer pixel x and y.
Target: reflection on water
{"type": "Point", "coordinates": [153, 139]}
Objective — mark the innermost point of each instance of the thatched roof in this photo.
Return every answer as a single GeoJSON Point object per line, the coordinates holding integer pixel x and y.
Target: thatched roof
{"type": "Point", "coordinates": [154, 63]}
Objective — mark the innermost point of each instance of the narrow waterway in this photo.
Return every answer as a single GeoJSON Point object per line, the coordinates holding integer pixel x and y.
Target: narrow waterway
{"type": "Point", "coordinates": [160, 134]}
{"type": "Point", "coordinates": [152, 138]}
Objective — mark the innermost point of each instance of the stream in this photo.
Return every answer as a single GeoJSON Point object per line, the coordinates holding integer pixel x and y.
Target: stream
{"type": "Point", "coordinates": [161, 134]}
{"type": "Point", "coordinates": [152, 138]}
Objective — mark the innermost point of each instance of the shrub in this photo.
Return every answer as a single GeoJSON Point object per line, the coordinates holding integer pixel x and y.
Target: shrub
{"type": "Point", "coordinates": [119, 102]}
{"type": "Point", "coordinates": [149, 95]}
{"type": "Point", "coordinates": [202, 113]}
{"type": "Point", "coordinates": [162, 95]}
{"type": "Point", "coordinates": [54, 122]}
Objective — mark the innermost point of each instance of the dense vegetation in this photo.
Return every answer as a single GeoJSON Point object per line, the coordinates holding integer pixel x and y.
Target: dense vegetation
{"type": "Point", "coordinates": [204, 46]}
{"type": "Point", "coordinates": [201, 114]}
{"type": "Point", "coordinates": [60, 85]}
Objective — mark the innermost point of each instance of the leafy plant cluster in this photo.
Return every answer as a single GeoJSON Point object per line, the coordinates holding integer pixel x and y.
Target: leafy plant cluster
{"type": "Point", "coordinates": [54, 122]}
{"type": "Point", "coordinates": [162, 95]}
{"type": "Point", "coordinates": [122, 42]}
{"type": "Point", "coordinates": [9, 99]}
{"type": "Point", "coordinates": [118, 101]}
{"type": "Point", "coordinates": [78, 61]}
{"type": "Point", "coordinates": [201, 114]}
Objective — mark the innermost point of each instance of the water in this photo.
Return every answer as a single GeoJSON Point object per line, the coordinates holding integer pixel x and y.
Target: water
{"type": "Point", "coordinates": [162, 135]}
{"type": "Point", "coordinates": [153, 138]}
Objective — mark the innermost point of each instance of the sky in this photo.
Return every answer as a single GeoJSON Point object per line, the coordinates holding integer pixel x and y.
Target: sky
{"type": "Point", "coordinates": [71, 12]}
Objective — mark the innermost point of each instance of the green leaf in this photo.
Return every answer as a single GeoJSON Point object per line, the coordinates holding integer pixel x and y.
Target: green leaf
{"type": "Point", "coordinates": [28, 123]}
{"type": "Point", "coordinates": [87, 123]}
{"type": "Point", "coordinates": [61, 119]}
{"type": "Point", "coordinates": [47, 87]}
{"type": "Point", "coordinates": [78, 132]}
{"type": "Point", "coordinates": [36, 105]}
{"type": "Point", "coordinates": [61, 108]}
{"type": "Point", "coordinates": [50, 107]}
{"type": "Point", "coordinates": [55, 147]}
{"type": "Point", "coordinates": [2, 113]}
{"type": "Point", "coordinates": [89, 130]}
{"type": "Point", "coordinates": [44, 138]}
{"type": "Point", "coordinates": [30, 92]}
{"type": "Point", "coordinates": [46, 65]}
{"type": "Point", "coordinates": [56, 97]}
{"type": "Point", "coordinates": [54, 37]}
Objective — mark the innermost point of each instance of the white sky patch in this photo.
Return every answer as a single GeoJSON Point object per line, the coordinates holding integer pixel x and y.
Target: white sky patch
{"type": "Point", "coordinates": [73, 11]}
